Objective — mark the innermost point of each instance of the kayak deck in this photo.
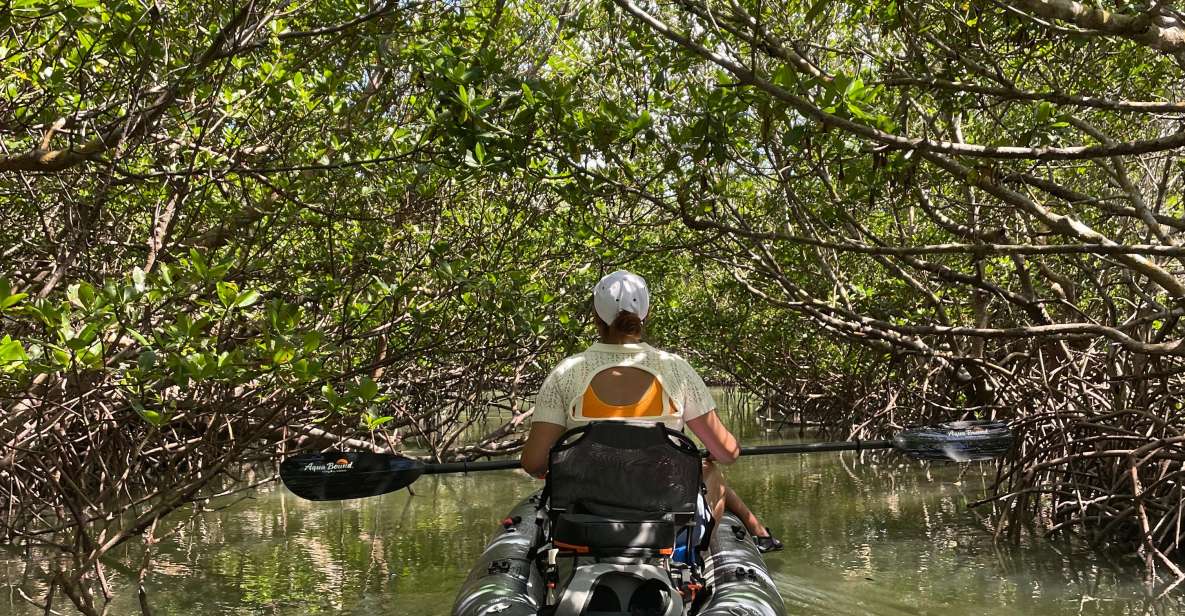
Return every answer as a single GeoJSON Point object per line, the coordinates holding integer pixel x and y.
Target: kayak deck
{"type": "Point", "coordinates": [505, 582]}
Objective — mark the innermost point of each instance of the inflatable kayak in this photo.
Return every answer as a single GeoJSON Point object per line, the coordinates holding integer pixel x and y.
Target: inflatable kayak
{"type": "Point", "coordinates": [507, 581]}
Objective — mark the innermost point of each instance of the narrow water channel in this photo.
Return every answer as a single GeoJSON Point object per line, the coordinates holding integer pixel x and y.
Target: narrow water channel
{"type": "Point", "coordinates": [865, 535]}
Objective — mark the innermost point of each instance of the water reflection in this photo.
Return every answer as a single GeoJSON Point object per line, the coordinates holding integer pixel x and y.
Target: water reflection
{"type": "Point", "coordinates": [884, 536]}
{"type": "Point", "coordinates": [864, 534]}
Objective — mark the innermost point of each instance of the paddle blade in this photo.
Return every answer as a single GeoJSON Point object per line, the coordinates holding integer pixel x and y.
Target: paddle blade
{"type": "Point", "coordinates": [333, 475]}
{"type": "Point", "coordinates": [959, 441]}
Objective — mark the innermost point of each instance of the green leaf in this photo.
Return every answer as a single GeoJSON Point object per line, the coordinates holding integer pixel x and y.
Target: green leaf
{"type": "Point", "coordinates": [85, 40]}
{"type": "Point", "coordinates": [12, 300]}
{"type": "Point", "coordinates": [786, 76]}
{"type": "Point", "coordinates": [368, 389]}
{"type": "Point", "coordinates": [815, 10]}
{"type": "Point", "coordinates": [283, 355]}
{"type": "Point", "coordinates": [153, 417]}
{"type": "Point", "coordinates": [90, 331]}
{"type": "Point", "coordinates": [373, 422]}
{"type": "Point", "coordinates": [147, 360]}
{"type": "Point", "coordinates": [228, 292]}
{"type": "Point", "coordinates": [12, 355]}
{"type": "Point", "coordinates": [855, 89]}
{"type": "Point", "coordinates": [306, 369]}
{"type": "Point", "coordinates": [72, 296]}
{"type": "Point", "coordinates": [199, 263]}
{"type": "Point", "coordinates": [9, 299]}
{"type": "Point", "coordinates": [246, 298]}
{"type": "Point", "coordinates": [138, 337]}
{"type": "Point", "coordinates": [331, 395]}
{"type": "Point", "coordinates": [92, 355]}
{"type": "Point", "coordinates": [1044, 111]}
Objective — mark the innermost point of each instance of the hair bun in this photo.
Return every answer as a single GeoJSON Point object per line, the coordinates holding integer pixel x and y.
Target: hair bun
{"type": "Point", "coordinates": [626, 323]}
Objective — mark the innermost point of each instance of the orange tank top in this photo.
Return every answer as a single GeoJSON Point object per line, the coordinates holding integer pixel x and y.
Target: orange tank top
{"type": "Point", "coordinates": [649, 405]}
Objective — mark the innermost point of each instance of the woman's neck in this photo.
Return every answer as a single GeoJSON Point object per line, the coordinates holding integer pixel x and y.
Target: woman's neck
{"type": "Point", "coordinates": [611, 339]}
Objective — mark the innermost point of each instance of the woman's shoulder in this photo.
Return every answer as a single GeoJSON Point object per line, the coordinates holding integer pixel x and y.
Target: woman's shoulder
{"type": "Point", "coordinates": [669, 358]}
{"type": "Point", "coordinates": [570, 363]}
{"type": "Point", "coordinates": [572, 360]}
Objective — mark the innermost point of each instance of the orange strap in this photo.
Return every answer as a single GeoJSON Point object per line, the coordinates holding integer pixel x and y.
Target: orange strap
{"type": "Point", "coordinates": [584, 549]}
{"type": "Point", "coordinates": [579, 549]}
{"type": "Point", "coordinates": [649, 405]}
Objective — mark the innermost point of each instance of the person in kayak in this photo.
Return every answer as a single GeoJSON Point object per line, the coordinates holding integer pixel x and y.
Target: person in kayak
{"type": "Point", "coordinates": [621, 377]}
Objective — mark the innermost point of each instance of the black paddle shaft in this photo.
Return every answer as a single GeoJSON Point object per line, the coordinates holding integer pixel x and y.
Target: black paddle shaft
{"type": "Point", "coordinates": [470, 467]}
{"type": "Point", "coordinates": [762, 450]}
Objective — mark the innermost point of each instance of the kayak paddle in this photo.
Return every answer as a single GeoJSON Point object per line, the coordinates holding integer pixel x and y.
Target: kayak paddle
{"type": "Point", "coordinates": [335, 475]}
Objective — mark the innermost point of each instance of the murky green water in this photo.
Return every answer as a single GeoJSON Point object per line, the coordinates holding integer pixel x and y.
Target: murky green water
{"type": "Point", "coordinates": [875, 535]}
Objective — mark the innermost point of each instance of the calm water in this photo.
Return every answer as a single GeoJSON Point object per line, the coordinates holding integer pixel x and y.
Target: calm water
{"type": "Point", "coordinates": [875, 535]}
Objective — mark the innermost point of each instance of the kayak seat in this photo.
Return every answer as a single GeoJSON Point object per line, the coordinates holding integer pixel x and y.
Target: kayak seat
{"type": "Point", "coordinates": [596, 535]}
{"type": "Point", "coordinates": [621, 488]}
{"type": "Point", "coordinates": [632, 466]}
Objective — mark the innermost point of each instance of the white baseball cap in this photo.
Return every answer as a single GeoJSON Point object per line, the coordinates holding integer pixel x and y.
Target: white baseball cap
{"type": "Point", "coordinates": [619, 291]}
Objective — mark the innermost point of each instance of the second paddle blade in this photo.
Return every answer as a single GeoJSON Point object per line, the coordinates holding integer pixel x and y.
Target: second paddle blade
{"type": "Point", "coordinates": [958, 441]}
{"type": "Point", "coordinates": [334, 475]}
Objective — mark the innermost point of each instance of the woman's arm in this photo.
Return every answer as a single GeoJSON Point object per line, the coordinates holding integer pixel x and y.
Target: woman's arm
{"type": "Point", "coordinates": [539, 442]}
{"type": "Point", "coordinates": [719, 441]}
